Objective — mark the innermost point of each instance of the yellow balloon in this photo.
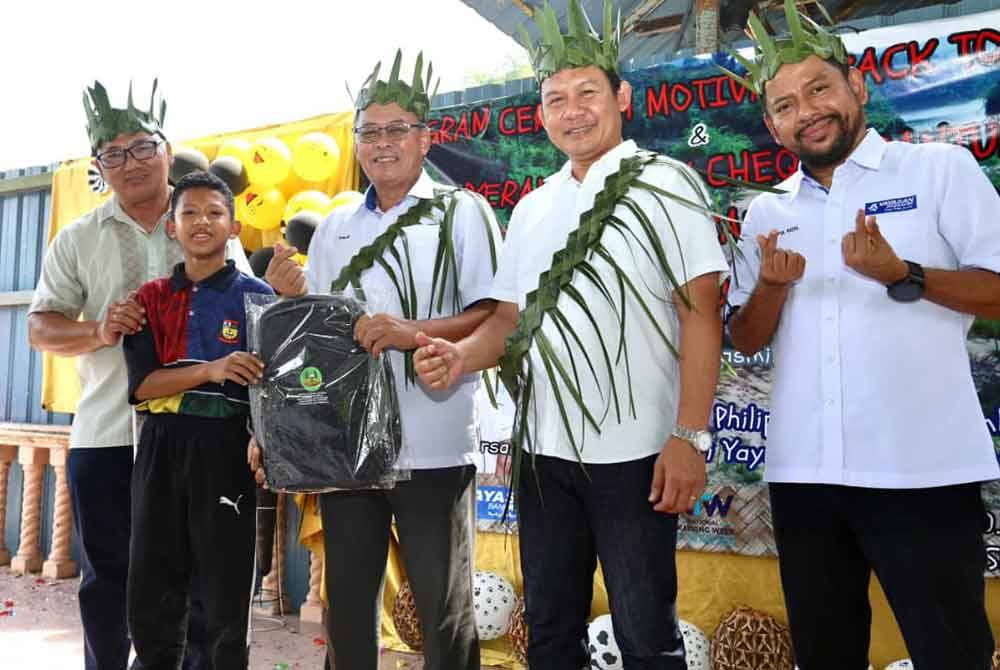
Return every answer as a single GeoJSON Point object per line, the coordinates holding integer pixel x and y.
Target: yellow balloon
{"type": "Point", "coordinates": [315, 156]}
{"type": "Point", "coordinates": [271, 237]}
{"type": "Point", "coordinates": [237, 148]}
{"type": "Point", "coordinates": [314, 201]}
{"type": "Point", "coordinates": [346, 199]}
{"type": "Point", "coordinates": [250, 237]}
{"type": "Point", "coordinates": [299, 258]}
{"type": "Point", "coordinates": [261, 207]}
{"type": "Point", "coordinates": [270, 162]}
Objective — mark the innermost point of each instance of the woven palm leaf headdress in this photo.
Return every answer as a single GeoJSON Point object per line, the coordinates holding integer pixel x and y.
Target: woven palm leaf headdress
{"type": "Point", "coordinates": [412, 96]}
{"type": "Point", "coordinates": [105, 123]}
{"type": "Point", "coordinates": [805, 38]}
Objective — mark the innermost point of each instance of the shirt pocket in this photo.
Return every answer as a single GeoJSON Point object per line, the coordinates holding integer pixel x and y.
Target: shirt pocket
{"type": "Point", "coordinates": [907, 232]}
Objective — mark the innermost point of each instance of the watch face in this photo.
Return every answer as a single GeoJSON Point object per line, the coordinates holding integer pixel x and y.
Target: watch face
{"type": "Point", "coordinates": [906, 291]}
{"type": "Point", "coordinates": [703, 442]}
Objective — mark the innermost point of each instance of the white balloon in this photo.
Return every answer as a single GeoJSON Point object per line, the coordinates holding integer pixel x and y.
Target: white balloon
{"type": "Point", "coordinates": [494, 599]}
{"type": "Point", "coordinates": [604, 653]}
{"type": "Point", "coordinates": [696, 647]}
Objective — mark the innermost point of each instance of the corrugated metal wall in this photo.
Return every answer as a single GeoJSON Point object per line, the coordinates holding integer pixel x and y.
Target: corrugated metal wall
{"type": "Point", "coordinates": [23, 225]}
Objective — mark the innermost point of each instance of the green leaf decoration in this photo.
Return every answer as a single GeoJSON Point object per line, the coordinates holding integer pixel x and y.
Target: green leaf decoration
{"type": "Point", "coordinates": [441, 206]}
{"type": "Point", "coordinates": [805, 38]}
{"type": "Point", "coordinates": [105, 123]}
{"type": "Point", "coordinates": [412, 97]}
{"type": "Point", "coordinates": [580, 46]}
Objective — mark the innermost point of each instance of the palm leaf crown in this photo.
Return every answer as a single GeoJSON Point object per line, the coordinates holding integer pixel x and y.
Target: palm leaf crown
{"type": "Point", "coordinates": [105, 123]}
{"type": "Point", "coordinates": [411, 96]}
{"type": "Point", "coordinates": [805, 38]}
{"type": "Point", "coordinates": [580, 46]}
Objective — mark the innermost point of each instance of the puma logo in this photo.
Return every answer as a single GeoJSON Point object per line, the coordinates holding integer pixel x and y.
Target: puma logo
{"type": "Point", "coordinates": [223, 500]}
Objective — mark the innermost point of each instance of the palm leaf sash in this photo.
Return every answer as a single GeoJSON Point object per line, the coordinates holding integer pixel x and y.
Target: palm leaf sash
{"type": "Point", "coordinates": [397, 262]}
{"type": "Point", "coordinates": [586, 245]}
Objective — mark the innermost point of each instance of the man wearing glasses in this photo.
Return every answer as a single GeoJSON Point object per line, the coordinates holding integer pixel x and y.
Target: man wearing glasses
{"type": "Point", "coordinates": [408, 223]}
{"type": "Point", "coordinates": [82, 307]}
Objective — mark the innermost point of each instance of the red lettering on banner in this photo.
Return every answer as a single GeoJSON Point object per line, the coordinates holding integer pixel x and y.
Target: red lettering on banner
{"type": "Point", "coordinates": [657, 101]}
{"type": "Point", "coordinates": [974, 42]}
{"type": "Point", "coordinates": [920, 58]}
{"type": "Point", "coordinates": [480, 121]}
{"type": "Point", "coordinates": [887, 57]}
{"type": "Point", "coordinates": [761, 161]}
{"type": "Point", "coordinates": [507, 193]}
{"type": "Point", "coordinates": [674, 97]}
{"type": "Point", "coordinates": [983, 148]}
{"type": "Point", "coordinates": [520, 120]}
{"type": "Point", "coordinates": [760, 167]}
{"type": "Point", "coordinates": [869, 65]}
{"type": "Point", "coordinates": [738, 91]}
{"type": "Point", "coordinates": [964, 41]}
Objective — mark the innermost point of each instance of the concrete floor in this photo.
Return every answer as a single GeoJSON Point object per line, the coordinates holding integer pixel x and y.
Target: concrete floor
{"type": "Point", "coordinates": [40, 630]}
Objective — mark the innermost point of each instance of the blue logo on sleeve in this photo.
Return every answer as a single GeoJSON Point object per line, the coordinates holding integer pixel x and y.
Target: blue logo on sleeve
{"type": "Point", "coordinates": [891, 205]}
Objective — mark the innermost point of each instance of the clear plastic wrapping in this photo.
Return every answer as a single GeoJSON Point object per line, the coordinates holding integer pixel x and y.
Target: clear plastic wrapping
{"type": "Point", "coordinates": [326, 414]}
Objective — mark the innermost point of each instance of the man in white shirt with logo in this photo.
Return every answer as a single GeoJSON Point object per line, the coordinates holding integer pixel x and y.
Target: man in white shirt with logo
{"type": "Point", "coordinates": [865, 276]}
{"type": "Point", "coordinates": [608, 335]}
{"type": "Point", "coordinates": [406, 221]}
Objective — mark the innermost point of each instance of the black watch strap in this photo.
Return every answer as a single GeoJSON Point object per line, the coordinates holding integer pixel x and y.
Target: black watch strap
{"type": "Point", "coordinates": [911, 287]}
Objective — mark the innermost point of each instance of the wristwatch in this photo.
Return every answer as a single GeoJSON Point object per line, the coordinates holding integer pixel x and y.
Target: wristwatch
{"type": "Point", "coordinates": [701, 440]}
{"type": "Point", "coordinates": [911, 287]}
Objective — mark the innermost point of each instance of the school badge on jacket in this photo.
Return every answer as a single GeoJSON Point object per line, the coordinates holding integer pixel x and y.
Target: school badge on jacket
{"type": "Point", "coordinates": [230, 331]}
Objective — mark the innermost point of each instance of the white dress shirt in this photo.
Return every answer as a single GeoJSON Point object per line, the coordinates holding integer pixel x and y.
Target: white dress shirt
{"type": "Point", "coordinates": [868, 391]}
{"type": "Point", "coordinates": [539, 227]}
{"type": "Point", "coordinates": [439, 427]}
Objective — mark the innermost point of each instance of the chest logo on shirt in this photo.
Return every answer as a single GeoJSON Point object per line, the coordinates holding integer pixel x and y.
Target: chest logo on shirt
{"type": "Point", "coordinates": [230, 332]}
{"type": "Point", "coordinates": [892, 205]}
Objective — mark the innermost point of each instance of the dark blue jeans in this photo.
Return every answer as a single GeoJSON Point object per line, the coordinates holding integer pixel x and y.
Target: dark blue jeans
{"type": "Point", "coordinates": [582, 515]}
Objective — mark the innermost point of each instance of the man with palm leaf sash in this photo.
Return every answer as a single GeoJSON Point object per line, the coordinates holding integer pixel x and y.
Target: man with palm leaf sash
{"type": "Point", "coordinates": [608, 335]}
{"type": "Point", "coordinates": [428, 252]}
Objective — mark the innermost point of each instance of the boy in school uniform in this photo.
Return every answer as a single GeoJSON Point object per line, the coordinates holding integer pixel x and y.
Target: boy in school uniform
{"type": "Point", "coordinates": [192, 496]}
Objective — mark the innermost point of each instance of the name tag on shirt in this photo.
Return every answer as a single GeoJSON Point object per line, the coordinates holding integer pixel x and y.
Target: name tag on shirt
{"type": "Point", "coordinates": [892, 205]}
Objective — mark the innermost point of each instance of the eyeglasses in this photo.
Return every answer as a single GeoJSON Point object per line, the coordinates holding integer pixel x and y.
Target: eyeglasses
{"type": "Point", "coordinates": [139, 151]}
{"type": "Point", "coordinates": [394, 131]}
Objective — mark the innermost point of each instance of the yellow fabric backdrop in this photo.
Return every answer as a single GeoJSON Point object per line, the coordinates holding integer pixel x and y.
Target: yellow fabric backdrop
{"type": "Point", "coordinates": [72, 198]}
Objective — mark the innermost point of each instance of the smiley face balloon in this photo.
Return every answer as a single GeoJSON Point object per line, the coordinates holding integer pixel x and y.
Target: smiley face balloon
{"type": "Point", "coordinates": [269, 163]}
{"type": "Point", "coordinates": [315, 156]}
{"type": "Point", "coordinates": [261, 207]}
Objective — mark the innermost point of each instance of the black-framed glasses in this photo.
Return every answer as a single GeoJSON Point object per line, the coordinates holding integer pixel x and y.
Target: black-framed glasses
{"type": "Point", "coordinates": [395, 131]}
{"type": "Point", "coordinates": [142, 150]}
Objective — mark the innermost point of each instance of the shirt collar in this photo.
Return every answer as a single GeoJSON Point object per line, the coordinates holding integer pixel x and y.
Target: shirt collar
{"type": "Point", "coordinates": [112, 210]}
{"type": "Point", "coordinates": [219, 281]}
{"type": "Point", "coordinates": [422, 189]}
{"type": "Point", "coordinates": [604, 165]}
{"type": "Point", "coordinates": [868, 155]}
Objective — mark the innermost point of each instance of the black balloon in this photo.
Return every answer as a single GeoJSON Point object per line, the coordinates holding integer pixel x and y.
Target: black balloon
{"type": "Point", "coordinates": [300, 228]}
{"type": "Point", "coordinates": [230, 170]}
{"type": "Point", "coordinates": [259, 260]}
{"type": "Point", "coordinates": [186, 161]}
